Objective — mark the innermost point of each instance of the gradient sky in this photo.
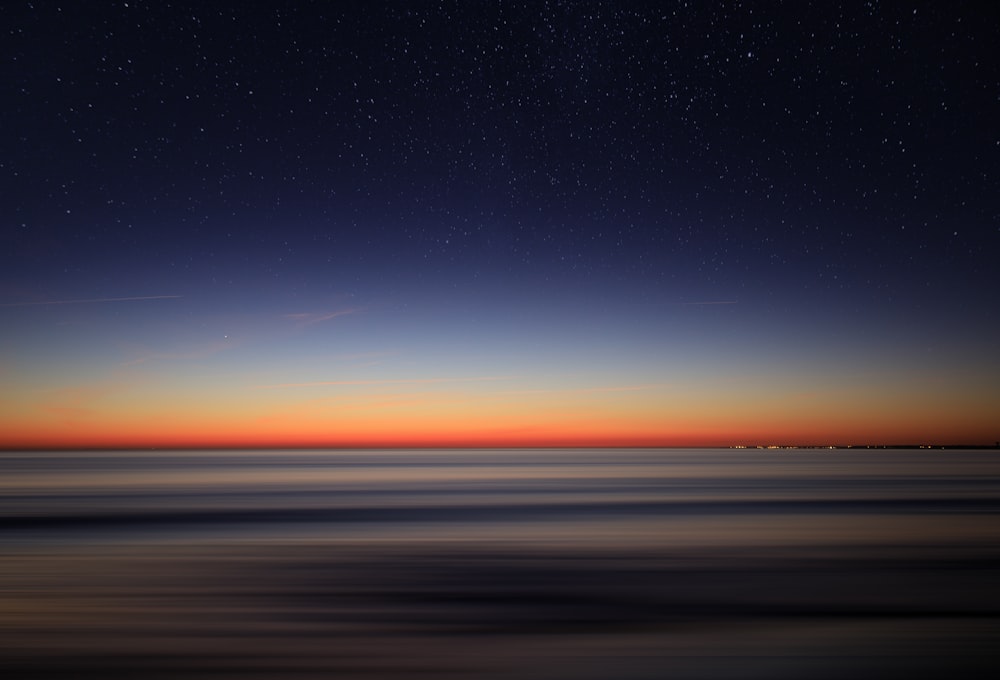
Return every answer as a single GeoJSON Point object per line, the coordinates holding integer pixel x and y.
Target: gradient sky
{"type": "Point", "coordinates": [499, 223]}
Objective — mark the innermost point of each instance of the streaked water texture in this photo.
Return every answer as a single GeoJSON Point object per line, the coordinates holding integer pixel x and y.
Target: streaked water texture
{"type": "Point", "coordinates": [552, 563]}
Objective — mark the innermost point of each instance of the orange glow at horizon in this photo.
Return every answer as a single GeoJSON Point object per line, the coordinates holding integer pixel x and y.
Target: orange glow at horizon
{"type": "Point", "coordinates": [269, 395]}
{"type": "Point", "coordinates": [470, 419]}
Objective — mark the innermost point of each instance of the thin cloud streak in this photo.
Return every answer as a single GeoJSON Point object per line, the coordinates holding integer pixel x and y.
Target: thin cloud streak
{"type": "Point", "coordinates": [196, 353]}
{"type": "Point", "coordinates": [309, 318]}
{"type": "Point", "coordinates": [90, 300]}
{"type": "Point", "coordinates": [402, 381]}
{"type": "Point", "coordinates": [590, 390]}
{"type": "Point", "coordinates": [709, 302]}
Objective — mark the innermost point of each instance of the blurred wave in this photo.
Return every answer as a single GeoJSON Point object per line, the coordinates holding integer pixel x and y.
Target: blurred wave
{"type": "Point", "coordinates": [492, 564]}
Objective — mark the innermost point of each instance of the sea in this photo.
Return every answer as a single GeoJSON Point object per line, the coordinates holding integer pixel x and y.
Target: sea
{"type": "Point", "coordinates": [516, 563]}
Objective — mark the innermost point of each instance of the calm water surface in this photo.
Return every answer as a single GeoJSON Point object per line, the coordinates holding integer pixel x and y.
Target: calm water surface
{"type": "Point", "coordinates": [570, 563]}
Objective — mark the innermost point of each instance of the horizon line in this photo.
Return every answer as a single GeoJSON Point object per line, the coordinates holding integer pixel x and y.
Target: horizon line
{"type": "Point", "coordinates": [397, 447]}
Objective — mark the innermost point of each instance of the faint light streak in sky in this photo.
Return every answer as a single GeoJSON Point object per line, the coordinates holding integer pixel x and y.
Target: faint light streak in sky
{"type": "Point", "coordinates": [591, 390]}
{"type": "Point", "coordinates": [401, 381]}
{"type": "Point", "coordinates": [90, 300]}
{"type": "Point", "coordinates": [196, 353]}
{"type": "Point", "coordinates": [307, 318]}
{"type": "Point", "coordinates": [709, 302]}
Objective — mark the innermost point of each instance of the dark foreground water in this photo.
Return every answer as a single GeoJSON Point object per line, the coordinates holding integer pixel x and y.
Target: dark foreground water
{"type": "Point", "coordinates": [500, 564]}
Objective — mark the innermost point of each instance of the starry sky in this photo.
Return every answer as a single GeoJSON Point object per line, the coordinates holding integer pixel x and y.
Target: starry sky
{"type": "Point", "coordinates": [499, 223]}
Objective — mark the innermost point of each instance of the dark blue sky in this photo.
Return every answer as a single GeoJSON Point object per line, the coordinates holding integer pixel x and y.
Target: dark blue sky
{"type": "Point", "coordinates": [588, 172]}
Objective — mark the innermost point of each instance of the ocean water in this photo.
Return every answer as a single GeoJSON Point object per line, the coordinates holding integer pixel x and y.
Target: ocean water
{"type": "Point", "coordinates": [540, 563]}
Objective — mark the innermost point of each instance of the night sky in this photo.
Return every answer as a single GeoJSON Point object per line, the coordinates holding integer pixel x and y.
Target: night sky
{"type": "Point", "coordinates": [499, 223]}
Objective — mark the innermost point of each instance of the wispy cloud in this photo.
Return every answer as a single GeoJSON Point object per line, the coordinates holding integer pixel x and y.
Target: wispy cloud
{"type": "Point", "coordinates": [709, 302]}
{"type": "Point", "coordinates": [590, 390]}
{"type": "Point", "coordinates": [356, 356]}
{"type": "Point", "coordinates": [398, 381]}
{"type": "Point", "coordinates": [310, 318]}
{"type": "Point", "coordinates": [142, 355]}
{"type": "Point", "coordinates": [90, 300]}
{"type": "Point", "coordinates": [74, 404]}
